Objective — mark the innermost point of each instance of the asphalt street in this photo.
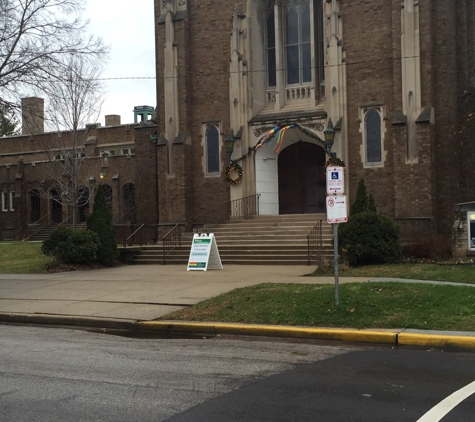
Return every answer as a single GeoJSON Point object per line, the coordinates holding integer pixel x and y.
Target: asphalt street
{"type": "Point", "coordinates": [388, 385]}
{"type": "Point", "coordinates": [54, 374]}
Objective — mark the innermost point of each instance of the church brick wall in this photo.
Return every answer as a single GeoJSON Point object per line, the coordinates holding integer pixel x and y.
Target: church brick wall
{"type": "Point", "coordinates": [203, 43]}
{"type": "Point", "coordinates": [367, 34]}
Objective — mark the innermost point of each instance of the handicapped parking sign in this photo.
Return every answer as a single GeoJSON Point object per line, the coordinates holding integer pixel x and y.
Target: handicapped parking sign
{"type": "Point", "coordinates": [335, 180]}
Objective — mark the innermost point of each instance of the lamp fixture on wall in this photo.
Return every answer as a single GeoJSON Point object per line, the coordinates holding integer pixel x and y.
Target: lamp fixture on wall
{"type": "Point", "coordinates": [329, 134]}
{"type": "Point", "coordinates": [229, 144]}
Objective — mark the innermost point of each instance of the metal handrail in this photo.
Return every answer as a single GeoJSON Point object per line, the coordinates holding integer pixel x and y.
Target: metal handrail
{"type": "Point", "coordinates": [64, 221]}
{"type": "Point", "coordinates": [37, 223]}
{"type": "Point", "coordinates": [171, 240]}
{"type": "Point", "coordinates": [227, 211]}
{"type": "Point", "coordinates": [315, 240]}
{"type": "Point", "coordinates": [133, 234]}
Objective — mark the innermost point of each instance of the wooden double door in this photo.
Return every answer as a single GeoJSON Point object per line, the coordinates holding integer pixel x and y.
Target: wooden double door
{"type": "Point", "coordinates": [301, 179]}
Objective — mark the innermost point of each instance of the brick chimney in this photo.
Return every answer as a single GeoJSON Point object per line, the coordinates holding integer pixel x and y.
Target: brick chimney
{"type": "Point", "coordinates": [32, 116]}
{"type": "Point", "coordinates": [112, 120]}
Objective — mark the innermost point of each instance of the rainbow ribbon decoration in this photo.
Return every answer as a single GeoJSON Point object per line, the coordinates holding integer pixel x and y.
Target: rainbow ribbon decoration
{"type": "Point", "coordinates": [276, 135]}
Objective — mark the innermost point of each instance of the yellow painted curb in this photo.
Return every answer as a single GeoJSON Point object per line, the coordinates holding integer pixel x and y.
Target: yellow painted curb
{"type": "Point", "coordinates": [332, 334]}
{"type": "Point", "coordinates": [436, 340]}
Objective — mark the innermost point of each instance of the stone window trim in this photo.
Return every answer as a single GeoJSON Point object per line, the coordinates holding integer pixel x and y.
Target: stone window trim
{"type": "Point", "coordinates": [297, 79]}
{"type": "Point", "coordinates": [128, 151]}
{"type": "Point", "coordinates": [211, 128]}
{"type": "Point", "coordinates": [105, 154]}
{"type": "Point", "coordinates": [109, 152]}
{"type": "Point", "coordinates": [5, 201]}
{"type": "Point", "coordinates": [12, 200]}
{"type": "Point", "coordinates": [378, 152]}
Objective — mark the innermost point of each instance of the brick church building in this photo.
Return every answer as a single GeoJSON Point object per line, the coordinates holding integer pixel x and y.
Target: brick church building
{"type": "Point", "coordinates": [389, 75]}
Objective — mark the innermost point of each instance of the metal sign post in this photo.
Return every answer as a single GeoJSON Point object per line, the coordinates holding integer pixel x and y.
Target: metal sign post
{"type": "Point", "coordinates": [336, 213]}
{"type": "Point", "coordinates": [335, 260]}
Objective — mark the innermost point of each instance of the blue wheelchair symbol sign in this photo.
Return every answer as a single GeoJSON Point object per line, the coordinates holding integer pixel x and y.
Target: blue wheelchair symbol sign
{"type": "Point", "coordinates": [334, 175]}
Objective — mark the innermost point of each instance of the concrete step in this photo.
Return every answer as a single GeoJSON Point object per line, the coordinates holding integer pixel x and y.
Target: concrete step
{"type": "Point", "coordinates": [266, 240]}
{"type": "Point", "coordinates": [46, 231]}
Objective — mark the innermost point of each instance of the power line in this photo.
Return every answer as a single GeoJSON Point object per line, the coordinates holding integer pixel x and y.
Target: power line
{"type": "Point", "coordinates": [346, 64]}
{"type": "Point", "coordinates": [127, 77]}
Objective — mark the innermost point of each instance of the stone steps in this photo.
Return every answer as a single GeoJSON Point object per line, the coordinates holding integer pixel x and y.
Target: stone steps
{"type": "Point", "coordinates": [46, 231]}
{"type": "Point", "coordinates": [262, 240]}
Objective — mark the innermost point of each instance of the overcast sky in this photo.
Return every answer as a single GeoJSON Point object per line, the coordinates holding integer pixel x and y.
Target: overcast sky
{"type": "Point", "coordinates": [128, 28]}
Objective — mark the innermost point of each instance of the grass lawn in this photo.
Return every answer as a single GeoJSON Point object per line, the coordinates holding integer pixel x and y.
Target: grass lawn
{"type": "Point", "coordinates": [435, 272]}
{"type": "Point", "coordinates": [22, 258]}
{"type": "Point", "coordinates": [362, 305]}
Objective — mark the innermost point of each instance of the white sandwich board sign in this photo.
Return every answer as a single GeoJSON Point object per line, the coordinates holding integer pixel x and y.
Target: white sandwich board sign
{"type": "Point", "coordinates": [204, 253]}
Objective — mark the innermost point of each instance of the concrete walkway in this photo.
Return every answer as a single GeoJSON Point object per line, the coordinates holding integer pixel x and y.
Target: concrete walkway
{"type": "Point", "coordinates": [131, 297]}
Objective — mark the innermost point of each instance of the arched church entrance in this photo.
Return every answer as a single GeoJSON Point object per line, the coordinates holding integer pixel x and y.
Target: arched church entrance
{"type": "Point", "coordinates": [301, 179]}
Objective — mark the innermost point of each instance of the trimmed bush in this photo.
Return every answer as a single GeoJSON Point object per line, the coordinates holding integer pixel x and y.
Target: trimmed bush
{"type": "Point", "coordinates": [83, 246]}
{"type": "Point", "coordinates": [369, 238]}
{"type": "Point", "coordinates": [56, 242]}
{"type": "Point", "coordinates": [68, 246]}
{"type": "Point", "coordinates": [100, 222]}
{"type": "Point", "coordinates": [363, 201]}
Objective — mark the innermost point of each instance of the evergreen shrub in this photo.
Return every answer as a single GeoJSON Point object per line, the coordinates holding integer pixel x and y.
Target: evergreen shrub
{"type": "Point", "coordinates": [363, 201]}
{"type": "Point", "coordinates": [369, 238]}
{"type": "Point", "coordinates": [54, 245]}
{"type": "Point", "coordinates": [100, 222]}
{"type": "Point", "coordinates": [68, 246]}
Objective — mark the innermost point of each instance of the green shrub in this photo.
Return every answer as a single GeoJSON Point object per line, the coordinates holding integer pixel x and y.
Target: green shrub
{"type": "Point", "coordinates": [68, 246]}
{"type": "Point", "coordinates": [363, 201]}
{"type": "Point", "coordinates": [100, 222]}
{"type": "Point", "coordinates": [56, 242]}
{"type": "Point", "coordinates": [369, 238]}
{"type": "Point", "coordinates": [82, 247]}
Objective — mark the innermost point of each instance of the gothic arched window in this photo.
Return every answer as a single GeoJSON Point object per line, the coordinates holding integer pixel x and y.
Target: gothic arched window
{"type": "Point", "coordinates": [289, 28]}
{"type": "Point", "coordinates": [212, 150]}
{"type": "Point", "coordinates": [373, 137]}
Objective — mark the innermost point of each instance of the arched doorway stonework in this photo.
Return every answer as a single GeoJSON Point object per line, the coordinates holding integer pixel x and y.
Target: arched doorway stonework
{"type": "Point", "coordinates": [291, 181]}
{"type": "Point", "coordinates": [301, 178]}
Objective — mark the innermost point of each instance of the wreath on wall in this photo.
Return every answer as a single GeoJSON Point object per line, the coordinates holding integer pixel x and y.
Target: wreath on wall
{"type": "Point", "coordinates": [236, 168]}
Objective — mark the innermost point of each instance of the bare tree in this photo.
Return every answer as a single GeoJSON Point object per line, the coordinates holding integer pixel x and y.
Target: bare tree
{"type": "Point", "coordinates": [74, 100]}
{"type": "Point", "coordinates": [35, 36]}
{"type": "Point", "coordinates": [8, 121]}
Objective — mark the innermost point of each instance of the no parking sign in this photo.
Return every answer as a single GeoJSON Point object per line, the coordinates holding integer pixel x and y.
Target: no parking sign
{"type": "Point", "coordinates": [336, 209]}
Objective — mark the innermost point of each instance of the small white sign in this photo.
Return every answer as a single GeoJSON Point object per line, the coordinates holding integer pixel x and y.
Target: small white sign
{"type": "Point", "coordinates": [335, 180]}
{"type": "Point", "coordinates": [471, 230]}
{"type": "Point", "coordinates": [336, 209]}
{"type": "Point", "coordinates": [204, 253]}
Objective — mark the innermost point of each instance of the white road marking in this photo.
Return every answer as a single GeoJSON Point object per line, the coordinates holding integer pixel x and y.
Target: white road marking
{"type": "Point", "coordinates": [446, 405]}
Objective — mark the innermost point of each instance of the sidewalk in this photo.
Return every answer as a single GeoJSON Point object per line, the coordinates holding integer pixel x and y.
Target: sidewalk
{"type": "Point", "coordinates": [131, 297]}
